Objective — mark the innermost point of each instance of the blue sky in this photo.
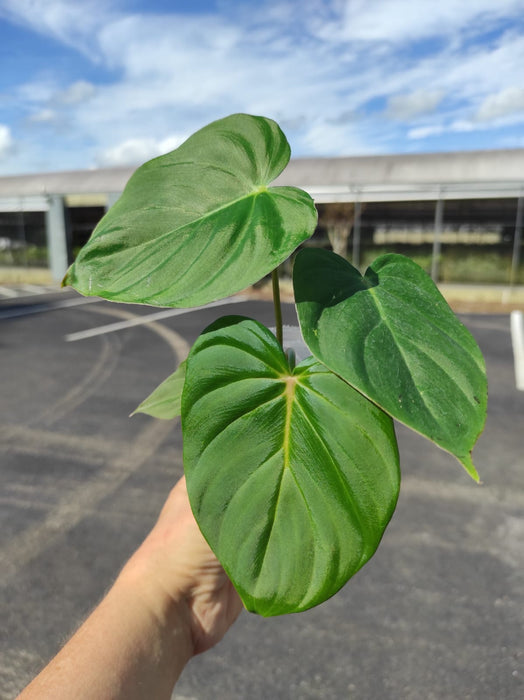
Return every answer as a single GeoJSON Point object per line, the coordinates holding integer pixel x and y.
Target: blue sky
{"type": "Point", "coordinates": [95, 83]}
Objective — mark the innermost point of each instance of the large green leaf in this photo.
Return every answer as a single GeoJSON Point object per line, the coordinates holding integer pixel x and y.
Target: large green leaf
{"type": "Point", "coordinates": [165, 401]}
{"type": "Point", "coordinates": [392, 335]}
{"type": "Point", "coordinates": [199, 223]}
{"type": "Point", "coordinates": [292, 474]}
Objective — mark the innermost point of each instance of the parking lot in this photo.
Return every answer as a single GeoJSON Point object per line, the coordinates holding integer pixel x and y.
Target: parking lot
{"type": "Point", "coordinates": [437, 614]}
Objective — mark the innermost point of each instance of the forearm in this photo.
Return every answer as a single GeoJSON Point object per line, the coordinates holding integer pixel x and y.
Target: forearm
{"type": "Point", "coordinates": [133, 646]}
{"type": "Point", "coordinates": [172, 600]}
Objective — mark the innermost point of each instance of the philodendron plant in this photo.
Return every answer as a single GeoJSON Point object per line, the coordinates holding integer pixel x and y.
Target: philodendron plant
{"type": "Point", "coordinates": [292, 471]}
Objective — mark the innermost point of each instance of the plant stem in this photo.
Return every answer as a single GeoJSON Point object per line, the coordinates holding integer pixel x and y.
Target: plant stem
{"type": "Point", "coordinates": [278, 308]}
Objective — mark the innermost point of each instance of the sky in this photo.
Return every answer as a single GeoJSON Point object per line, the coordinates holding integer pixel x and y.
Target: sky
{"type": "Point", "coordinates": [101, 83]}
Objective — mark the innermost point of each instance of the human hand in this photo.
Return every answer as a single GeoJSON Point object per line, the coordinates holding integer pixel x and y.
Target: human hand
{"type": "Point", "coordinates": [179, 569]}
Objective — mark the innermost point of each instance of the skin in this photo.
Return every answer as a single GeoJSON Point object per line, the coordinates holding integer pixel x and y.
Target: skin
{"type": "Point", "coordinates": [171, 601]}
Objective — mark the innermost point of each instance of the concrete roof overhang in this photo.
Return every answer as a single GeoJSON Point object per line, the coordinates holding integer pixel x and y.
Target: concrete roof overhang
{"type": "Point", "coordinates": [405, 177]}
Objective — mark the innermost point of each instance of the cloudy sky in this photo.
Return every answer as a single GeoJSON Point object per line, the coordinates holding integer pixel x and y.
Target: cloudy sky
{"type": "Point", "coordinates": [93, 83]}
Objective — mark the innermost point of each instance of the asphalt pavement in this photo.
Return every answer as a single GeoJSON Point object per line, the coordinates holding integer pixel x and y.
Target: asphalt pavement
{"type": "Point", "coordinates": [437, 614]}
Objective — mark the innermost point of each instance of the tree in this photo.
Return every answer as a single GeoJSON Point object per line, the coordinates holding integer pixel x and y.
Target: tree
{"type": "Point", "coordinates": [338, 219]}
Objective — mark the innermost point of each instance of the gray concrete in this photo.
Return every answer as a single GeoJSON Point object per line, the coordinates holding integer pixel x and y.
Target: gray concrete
{"type": "Point", "coordinates": [491, 171]}
{"type": "Point", "coordinates": [436, 615]}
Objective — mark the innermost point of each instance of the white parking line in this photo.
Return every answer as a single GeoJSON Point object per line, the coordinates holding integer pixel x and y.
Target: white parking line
{"type": "Point", "coordinates": [149, 318]}
{"type": "Point", "coordinates": [34, 289]}
{"type": "Point", "coordinates": [517, 340]}
{"type": "Point", "coordinates": [40, 308]}
{"type": "Point", "coordinates": [8, 292]}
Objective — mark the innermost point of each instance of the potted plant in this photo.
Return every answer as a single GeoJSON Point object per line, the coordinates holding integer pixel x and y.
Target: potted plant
{"type": "Point", "coordinates": [292, 469]}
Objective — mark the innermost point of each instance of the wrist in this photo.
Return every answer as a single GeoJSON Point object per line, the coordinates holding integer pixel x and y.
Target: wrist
{"type": "Point", "coordinates": [168, 613]}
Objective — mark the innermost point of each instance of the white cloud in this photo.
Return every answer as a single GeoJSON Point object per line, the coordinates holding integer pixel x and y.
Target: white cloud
{"type": "Point", "coordinates": [342, 77]}
{"type": "Point", "coordinates": [184, 71]}
{"type": "Point", "coordinates": [483, 69]}
{"type": "Point", "coordinates": [404, 20]}
{"type": "Point", "coordinates": [506, 102]}
{"type": "Point", "coordinates": [462, 125]}
{"type": "Point", "coordinates": [72, 23]}
{"type": "Point", "coordinates": [38, 91]}
{"type": "Point", "coordinates": [326, 139]}
{"type": "Point", "coordinates": [189, 70]}
{"type": "Point", "coordinates": [407, 106]}
{"type": "Point", "coordinates": [457, 126]}
{"type": "Point", "coordinates": [77, 93]}
{"type": "Point", "coordinates": [46, 103]}
{"type": "Point", "coordinates": [44, 116]}
{"type": "Point", "coordinates": [6, 141]}
{"type": "Point", "coordinates": [423, 132]}
{"type": "Point", "coordinates": [171, 142]}
{"type": "Point", "coordinates": [136, 151]}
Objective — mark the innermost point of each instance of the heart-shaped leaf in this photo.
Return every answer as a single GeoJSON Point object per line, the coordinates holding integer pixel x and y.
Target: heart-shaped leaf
{"type": "Point", "coordinates": [392, 335]}
{"type": "Point", "coordinates": [199, 223]}
{"type": "Point", "coordinates": [292, 474]}
{"type": "Point", "coordinates": [165, 401]}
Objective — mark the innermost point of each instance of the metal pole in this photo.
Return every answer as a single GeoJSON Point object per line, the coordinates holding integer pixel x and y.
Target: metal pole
{"type": "Point", "coordinates": [356, 235]}
{"type": "Point", "coordinates": [56, 232]}
{"type": "Point", "coordinates": [515, 260]}
{"type": "Point", "coordinates": [437, 239]}
{"type": "Point", "coordinates": [21, 232]}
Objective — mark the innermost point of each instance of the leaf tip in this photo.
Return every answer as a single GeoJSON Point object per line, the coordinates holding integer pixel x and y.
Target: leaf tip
{"type": "Point", "coordinates": [140, 409]}
{"type": "Point", "coordinates": [66, 282]}
{"type": "Point", "coordinates": [468, 465]}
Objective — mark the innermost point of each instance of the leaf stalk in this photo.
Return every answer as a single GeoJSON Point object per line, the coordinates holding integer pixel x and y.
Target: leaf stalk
{"type": "Point", "coordinates": [277, 306]}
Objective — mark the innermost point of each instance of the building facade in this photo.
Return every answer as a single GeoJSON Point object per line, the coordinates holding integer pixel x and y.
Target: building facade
{"type": "Point", "coordinates": [441, 208]}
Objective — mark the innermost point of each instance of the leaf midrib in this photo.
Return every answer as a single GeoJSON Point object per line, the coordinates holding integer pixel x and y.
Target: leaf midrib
{"type": "Point", "coordinates": [289, 393]}
{"type": "Point", "coordinates": [171, 232]}
{"type": "Point", "coordinates": [208, 214]}
{"type": "Point", "coordinates": [378, 306]}
{"type": "Point", "coordinates": [444, 331]}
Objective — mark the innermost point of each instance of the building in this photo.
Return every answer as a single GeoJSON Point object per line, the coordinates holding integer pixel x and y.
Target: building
{"type": "Point", "coordinates": [434, 202]}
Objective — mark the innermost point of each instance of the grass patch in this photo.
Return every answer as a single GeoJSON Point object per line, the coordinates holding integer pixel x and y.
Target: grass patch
{"type": "Point", "coordinates": [458, 264]}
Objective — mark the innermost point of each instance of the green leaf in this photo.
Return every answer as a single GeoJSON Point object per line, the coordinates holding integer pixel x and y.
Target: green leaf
{"type": "Point", "coordinates": [292, 474]}
{"type": "Point", "coordinates": [165, 400]}
{"type": "Point", "coordinates": [199, 223]}
{"type": "Point", "coordinates": [392, 336]}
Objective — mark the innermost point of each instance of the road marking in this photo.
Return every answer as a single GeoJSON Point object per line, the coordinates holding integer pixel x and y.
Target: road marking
{"type": "Point", "coordinates": [40, 308]}
{"type": "Point", "coordinates": [34, 289]}
{"type": "Point", "coordinates": [175, 341]}
{"type": "Point", "coordinates": [98, 374]}
{"type": "Point", "coordinates": [83, 500]}
{"type": "Point", "coordinates": [104, 366]}
{"type": "Point", "coordinates": [8, 292]}
{"type": "Point", "coordinates": [35, 441]}
{"type": "Point", "coordinates": [20, 291]}
{"type": "Point", "coordinates": [485, 324]}
{"type": "Point", "coordinates": [517, 340]}
{"type": "Point", "coordinates": [86, 497]}
{"type": "Point", "coordinates": [149, 318]}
